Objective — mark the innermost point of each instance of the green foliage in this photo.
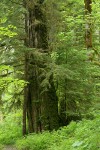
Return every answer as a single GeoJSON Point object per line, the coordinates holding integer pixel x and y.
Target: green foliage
{"type": "Point", "coordinates": [76, 79]}
{"type": "Point", "coordinates": [83, 135]}
{"type": "Point", "coordinates": [9, 75]}
{"type": "Point", "coordinates": [35, 141]}
{"type": "Point", "coordinates": [10, 128]}
{"type": "Point", "coordinates": [1, 147]}
{"type": "Point", "coordinates": [45, 140]}
{"type": "Point", "coordinates": [73, 72]}
{"type": "Point", "coordinates": [11, 88]}
{"type": "Point", "coordinates": [7, 30]}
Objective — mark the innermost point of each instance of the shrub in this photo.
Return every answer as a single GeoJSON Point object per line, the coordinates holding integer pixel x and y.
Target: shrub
{"type": "Point", "coordinates": [83, 135]}
{"type": "Point", "coordinates": [10, 129]}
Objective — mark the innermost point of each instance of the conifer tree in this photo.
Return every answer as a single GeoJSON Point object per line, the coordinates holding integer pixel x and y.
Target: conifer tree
{"type": "Point", "coordinates": [40, 106]}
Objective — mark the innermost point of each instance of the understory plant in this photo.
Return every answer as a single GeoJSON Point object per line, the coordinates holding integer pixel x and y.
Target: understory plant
{"type": "Point", "coordinates": [10, 129]}
{"type": "Point", "coordinates": [83, 135]}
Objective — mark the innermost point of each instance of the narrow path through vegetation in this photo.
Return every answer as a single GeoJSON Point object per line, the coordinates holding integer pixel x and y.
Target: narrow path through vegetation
{"type": "Point", "coordinates": [9, 148]}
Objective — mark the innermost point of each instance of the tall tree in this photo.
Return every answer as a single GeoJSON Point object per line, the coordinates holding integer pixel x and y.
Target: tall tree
{"type": "Point", "coordinates": [40, 106]}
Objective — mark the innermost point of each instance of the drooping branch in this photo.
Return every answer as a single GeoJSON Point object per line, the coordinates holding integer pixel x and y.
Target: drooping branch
{"type": "Point", "coordinates": [16, 3]}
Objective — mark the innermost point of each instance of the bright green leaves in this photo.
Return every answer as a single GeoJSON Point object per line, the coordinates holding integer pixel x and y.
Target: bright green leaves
{"type": "Point", "coordinates": [10, 128]}
{"type": "Point", "coordinates": [77, 144]}
{"type": "Point", "coordinates": [7, 31]}
{"type": "Point", "coordinates": [6, 28]}
{"type": "Point", "coordinates": [7, 76]}
{"type": "Point", "coordinates": [3, 20]}
{"type": "Point", "coordinates": [11, 87]}
{"type": "Point", "coordinates": [83, 135]}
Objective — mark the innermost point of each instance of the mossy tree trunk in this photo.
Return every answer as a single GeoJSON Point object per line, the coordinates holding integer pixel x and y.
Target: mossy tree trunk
{"type": "Point", "coordinates": [40, 106]}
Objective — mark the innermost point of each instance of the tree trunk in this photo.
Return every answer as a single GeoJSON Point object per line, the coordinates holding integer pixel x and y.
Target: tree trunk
{"type": "Point", "coordinates": [42, 109]}
{"type": "Point", "coordinates": [88, 33]}
{"type": "Point", "coordinates": [49, 107]}
{"type": "Point", "coordinates": [25, 99]}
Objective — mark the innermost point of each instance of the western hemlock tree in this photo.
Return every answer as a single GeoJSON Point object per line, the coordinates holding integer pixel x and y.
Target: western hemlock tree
{"type": "Point", "coordinates": [40, 105]}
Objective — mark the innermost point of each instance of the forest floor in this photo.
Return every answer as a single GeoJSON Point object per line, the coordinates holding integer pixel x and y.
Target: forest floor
{"type": "Point", "coordinates": [9, 147]}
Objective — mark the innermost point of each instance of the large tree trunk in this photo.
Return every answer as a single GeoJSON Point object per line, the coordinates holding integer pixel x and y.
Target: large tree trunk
{"type": "Point", "coordinates": [42, 109]}
{"type": "Point", "coordinates": [49, 107]}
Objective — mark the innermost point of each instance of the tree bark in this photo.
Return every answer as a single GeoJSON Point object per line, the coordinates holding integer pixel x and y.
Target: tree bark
{"type": "Point", "coordinates": [42, 109]}
{"type": "Point", "coordinates": [88, 33]}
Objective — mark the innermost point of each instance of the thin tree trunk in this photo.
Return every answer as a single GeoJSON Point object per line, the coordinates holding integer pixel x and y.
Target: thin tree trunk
{"type": "Point", "coordinates": [88, 33]}
{"type": "Point", "coordinates": [25, 99]}
{"type": "Point", "coordinates": [26, 79]}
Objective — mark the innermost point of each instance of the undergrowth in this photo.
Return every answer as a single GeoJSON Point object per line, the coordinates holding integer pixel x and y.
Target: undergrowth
{"type": "Point", "coordinates": [1, 147]}
{"type": "Point", "coordinates": [10, 129]}
{"type": "Point", "coordinates": [84, 135]}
